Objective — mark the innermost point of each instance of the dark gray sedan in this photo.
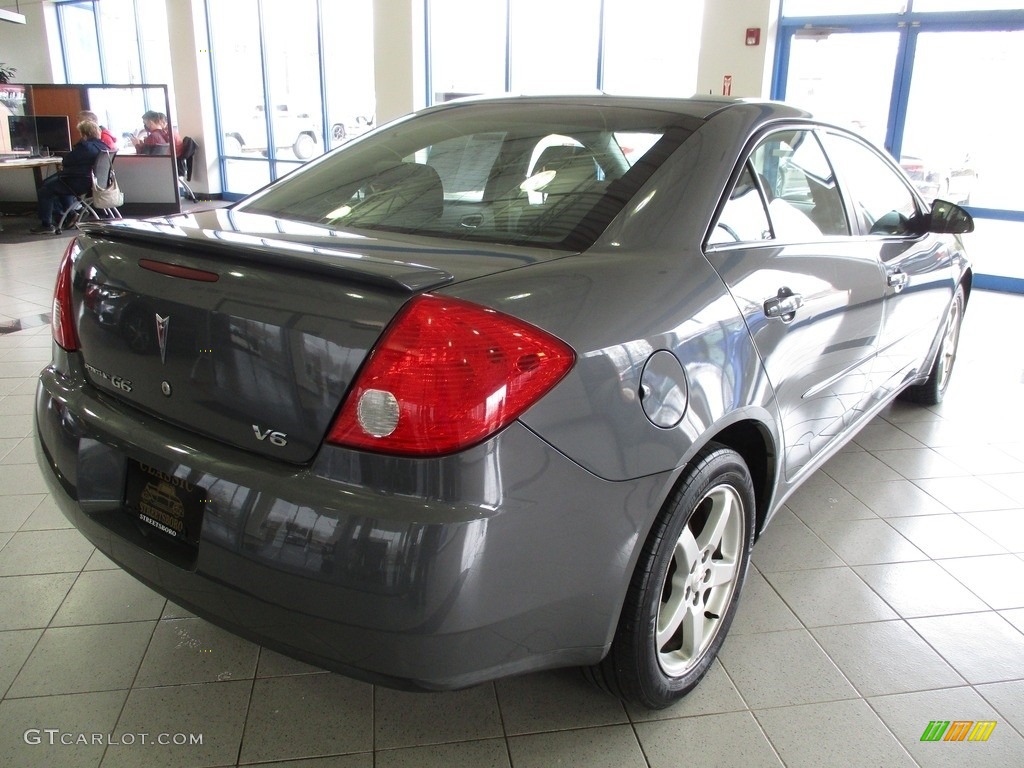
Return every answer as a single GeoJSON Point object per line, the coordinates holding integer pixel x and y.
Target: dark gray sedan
{"type": "Point", "coordinates": [505, 385]}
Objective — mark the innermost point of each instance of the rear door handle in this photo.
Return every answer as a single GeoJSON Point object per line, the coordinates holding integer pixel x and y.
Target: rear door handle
{"type": "Point", "coordinates": [784, 305]}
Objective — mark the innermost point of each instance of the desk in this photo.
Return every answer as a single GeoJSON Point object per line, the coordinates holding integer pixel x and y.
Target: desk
{"type": "Point", "coordinates": [37, 164]}
{"type": "Point", "coordinates": [149, 182]}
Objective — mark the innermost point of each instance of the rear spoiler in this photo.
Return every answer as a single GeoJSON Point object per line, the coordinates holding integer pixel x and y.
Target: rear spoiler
{"type": "Point", "coordinates": [305, 254]}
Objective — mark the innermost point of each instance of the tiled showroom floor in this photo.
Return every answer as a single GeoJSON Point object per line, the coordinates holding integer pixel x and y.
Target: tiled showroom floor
{"type": "Point", "coordinates": [890, 593]}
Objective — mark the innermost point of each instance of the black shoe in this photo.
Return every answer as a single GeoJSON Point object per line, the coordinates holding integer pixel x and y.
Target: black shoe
{"type": "Point", "coordinates": [44, 229]}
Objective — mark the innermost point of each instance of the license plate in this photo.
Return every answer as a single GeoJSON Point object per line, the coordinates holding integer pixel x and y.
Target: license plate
{"type": "Point", "coordinates": [167, 503]}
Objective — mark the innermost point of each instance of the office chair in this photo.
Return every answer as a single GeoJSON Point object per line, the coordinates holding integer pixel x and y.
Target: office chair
{"type": "Point", "coordinates": [85, 207]}
{"type": "Point", "coordinates": [185, 162]}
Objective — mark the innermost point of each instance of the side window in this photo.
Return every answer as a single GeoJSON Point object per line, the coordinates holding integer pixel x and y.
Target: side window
{"type": "Point", "coordinates": [804, 201]}
{"type": "Point", "coordinates": [882, 202]}
{"type": "Point", "coordinates": [743, 217]}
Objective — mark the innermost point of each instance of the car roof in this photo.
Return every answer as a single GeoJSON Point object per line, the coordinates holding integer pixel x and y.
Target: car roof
{"type": "Point", "coordinates": [700, 107]}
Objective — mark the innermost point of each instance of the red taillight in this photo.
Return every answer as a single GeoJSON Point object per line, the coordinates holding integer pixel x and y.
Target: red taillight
{"type": "Point", "coordinates": [445, 375]}
{"type": "Point", "coordinates": [62, 322]}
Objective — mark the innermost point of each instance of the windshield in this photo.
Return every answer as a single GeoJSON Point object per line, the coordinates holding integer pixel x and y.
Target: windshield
{"type": "Point", "coordinates": [544, 174]}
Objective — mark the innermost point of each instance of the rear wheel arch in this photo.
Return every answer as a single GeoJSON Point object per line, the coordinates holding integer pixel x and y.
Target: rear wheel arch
{"type": "Point", "coordinates": [685, 585]}
{"type": "Point", "coordinates": [753, 442]}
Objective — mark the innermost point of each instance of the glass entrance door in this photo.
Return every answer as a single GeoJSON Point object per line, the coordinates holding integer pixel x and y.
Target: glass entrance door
{"type": "Point", "coordinates": [962, 125]}
{"type": "Point", "coordinates": [821, 79]}
{"type": "Point", "coordinates": [938, 91]}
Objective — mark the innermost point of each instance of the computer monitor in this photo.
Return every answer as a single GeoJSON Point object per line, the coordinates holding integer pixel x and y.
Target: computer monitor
{"type": "Point", "coordinates": [53, 132]}
{"type": "Point", "coordinates": [23, 133]}
{"type": "Point", "coordinates": [31, 133]}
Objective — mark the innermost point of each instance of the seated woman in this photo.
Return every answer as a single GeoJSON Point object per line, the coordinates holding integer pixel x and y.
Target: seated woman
{"type": "Point", "coordinates": [74, 178]}
{"type": "Point", "coordinates": [157, 137]}
{"type": "Point", "coordinates": [105, 135]}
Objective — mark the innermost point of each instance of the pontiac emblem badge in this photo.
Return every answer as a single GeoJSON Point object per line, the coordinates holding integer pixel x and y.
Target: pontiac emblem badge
{"type": "Point", "coordinates": [161, 335]}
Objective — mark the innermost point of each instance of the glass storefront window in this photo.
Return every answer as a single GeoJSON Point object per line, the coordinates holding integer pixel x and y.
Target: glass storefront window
{"type": "Point", "coordinates": [821, 80]}
{"type": "Point", "coordinates": [245, 176]}
{"type": "Point", "coordinates": [952, 117]}
{"type": "Point", "coordinates": [451, 48]}
{"type": "Point", "coordinates": [554, 46]}
{"type": "Point", "coordinates": [842, 7]}
{"type": "Point", "coordinates": [117, 20]}
{"type": "Point", "coordinates": [644, 47]}
{"type": "Point", "coordinates": [928, 6]}
{"type": "Point", "coordinates": [80, 43]}
{"type": "Point", "coordinates": [293, 73]}
{"type": "Point", "coordinates": [348, 68]}
{"type": "Point", "coordinates": [235, 47]}
{"type": "Point", "coordinates": [651, 59]}
{"type": "Point", "coordinates": [154, 44]}
{"type": "Point", "coordinates": [277, 87]}
{"type": "Point", "coordinates": [100, 42]}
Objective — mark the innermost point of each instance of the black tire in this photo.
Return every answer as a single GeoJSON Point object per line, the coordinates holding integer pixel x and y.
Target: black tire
{"type": "Point", "coordinates": [932, 391]}
{"type": "Point", "coordinates": [639, 669]}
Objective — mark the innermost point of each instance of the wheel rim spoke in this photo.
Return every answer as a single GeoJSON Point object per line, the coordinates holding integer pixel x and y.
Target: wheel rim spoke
{"type": "Point", "coordinates": [687, 550]}
{"type": "Point", "coordinates": [669, 621]}
{"type": "Point", "coordinates": [722, 572]}
{"type": "Point", "coordinates": [719, 516]}
{"type": "Point", "coordinates": [686, 554]}
{"type": "Point", "coordinates": [694, 625]}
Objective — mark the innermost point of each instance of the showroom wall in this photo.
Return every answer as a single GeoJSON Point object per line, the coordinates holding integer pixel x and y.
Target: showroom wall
{"type": "Point", "coordinates": [27, 47]}
{"type": "Point", "coordinates": [725, 52]}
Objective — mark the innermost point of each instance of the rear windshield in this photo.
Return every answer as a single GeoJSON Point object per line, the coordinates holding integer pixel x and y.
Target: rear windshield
{"type": "Point", "coordinates": [538, 174]}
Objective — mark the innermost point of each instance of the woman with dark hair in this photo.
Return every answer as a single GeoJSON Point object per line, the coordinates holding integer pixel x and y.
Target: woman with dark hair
{"type": "Point", "coordinates": [157, 137]}
{"type": "Point", "coordinates": [74, 178]}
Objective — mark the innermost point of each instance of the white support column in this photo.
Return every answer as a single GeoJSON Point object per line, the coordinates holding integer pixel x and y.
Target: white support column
{"type": "Point", "coordinates": [724, 52]}
{"type": "Point", "coordinates": [399, 65]}
{"type": "Point", "coordinates": [193, 89]}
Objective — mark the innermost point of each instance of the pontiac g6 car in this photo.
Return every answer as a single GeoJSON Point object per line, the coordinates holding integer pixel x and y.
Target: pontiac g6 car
{"type": "Point", "coordinates": [505, 385]}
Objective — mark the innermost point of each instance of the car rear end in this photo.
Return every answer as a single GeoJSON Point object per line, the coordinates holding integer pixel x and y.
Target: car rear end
{"type": "Point", "coordinates": [284, 417]}
{"type": "Point", "coordinates": [224, 429]}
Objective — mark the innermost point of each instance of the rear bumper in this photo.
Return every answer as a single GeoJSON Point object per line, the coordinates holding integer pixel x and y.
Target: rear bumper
{"type": "Point", "coordinates": [424, 574]}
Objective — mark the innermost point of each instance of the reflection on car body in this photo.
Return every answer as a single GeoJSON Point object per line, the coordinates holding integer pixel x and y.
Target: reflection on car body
{"type": "Point", "coordinates": [547, 367]}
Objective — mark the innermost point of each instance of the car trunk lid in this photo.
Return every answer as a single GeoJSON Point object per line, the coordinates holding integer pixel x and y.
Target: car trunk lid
{"type": "Point", "coordinates": [249, 337]}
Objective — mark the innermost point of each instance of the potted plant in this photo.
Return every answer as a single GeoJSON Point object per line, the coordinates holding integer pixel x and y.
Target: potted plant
{"type": "Point", "coordinates": [6, 72]}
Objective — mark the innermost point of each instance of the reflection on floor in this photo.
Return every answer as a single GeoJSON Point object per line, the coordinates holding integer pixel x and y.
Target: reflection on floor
{"type": "Point", "coordinates": [887, 595]}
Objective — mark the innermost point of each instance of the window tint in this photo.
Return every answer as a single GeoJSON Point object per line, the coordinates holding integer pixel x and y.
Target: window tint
{"type": "Point", "coordinates": [804, 202]}
{"type": "Point", "coordinates": [552, 176]}
{"type": "Point", "coordinates": [882, 202]}
{"type": "Point", "coordinates": [743, 217]}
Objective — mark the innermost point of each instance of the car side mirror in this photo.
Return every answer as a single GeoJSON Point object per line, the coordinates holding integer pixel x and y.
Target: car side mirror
{"type": "Point", "coordinates": [949, 218]}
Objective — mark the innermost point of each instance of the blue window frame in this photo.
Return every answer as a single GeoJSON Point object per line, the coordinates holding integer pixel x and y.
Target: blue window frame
{"type": "Point", "coordinates": [116, 42]}
{"type": "Point", "coordinates": [964, 93]}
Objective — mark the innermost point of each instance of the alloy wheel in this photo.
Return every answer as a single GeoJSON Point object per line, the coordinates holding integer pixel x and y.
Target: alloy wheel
{"type": "Point", "coordinates": [701, 580]}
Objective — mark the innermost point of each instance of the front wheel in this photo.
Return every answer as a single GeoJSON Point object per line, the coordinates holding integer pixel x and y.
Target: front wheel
{"type": "Point", "coordinates": [686, 585]}
{"type": "Point", "coordinates": [932, 391]}
{"type": "Point", "coordinates": [304, 146]}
